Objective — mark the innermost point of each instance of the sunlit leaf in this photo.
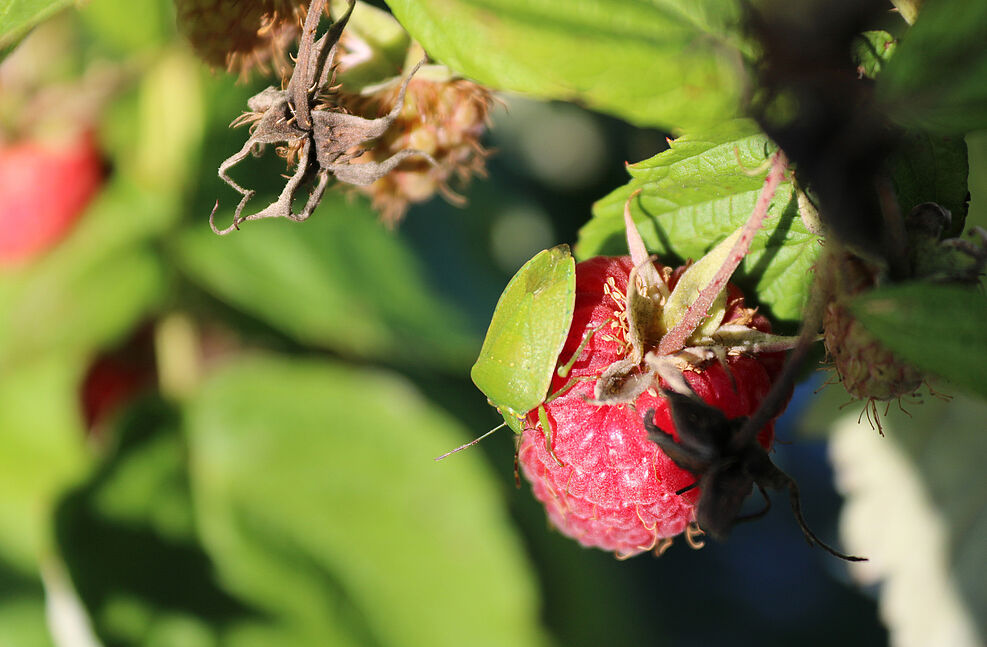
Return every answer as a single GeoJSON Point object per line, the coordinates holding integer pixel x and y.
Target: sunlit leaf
{"type": "Point", "coordinates": [114, 24]}
{"type": "Point", "coordinates": [699, 192]}
{"type": "Point", "coordinates": [43, 453]}
{"type": "Point", "coordinates": [18, 16]}
{"type": "Point", "coordinates": [669, 64]}
{"type": "Point", "coordinates": [51, 311]}
{"type": "Point", "coordinates": [318, 498]}
{"type": "Point", "coordinates": [872, 50]}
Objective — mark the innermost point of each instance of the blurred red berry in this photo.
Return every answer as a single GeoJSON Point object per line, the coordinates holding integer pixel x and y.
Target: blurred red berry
{"type": "Point", "coordinates": [44, 189]}
{"type": "Point", "coordinates": [117, 376]}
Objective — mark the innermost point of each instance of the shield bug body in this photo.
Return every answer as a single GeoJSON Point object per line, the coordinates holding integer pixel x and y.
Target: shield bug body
{"type": "Point", "coordinates": [526, 334]}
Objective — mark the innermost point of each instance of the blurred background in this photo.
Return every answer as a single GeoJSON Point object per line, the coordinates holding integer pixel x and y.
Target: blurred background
{"type": "Point", "coordinates": [212, 440]}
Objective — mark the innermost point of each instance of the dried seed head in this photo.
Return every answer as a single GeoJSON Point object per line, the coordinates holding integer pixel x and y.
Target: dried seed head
{"type": "Point", "coordinates": [445, 118]}
{"type": "Point", "coordinates": [241, 36]}
{"type": "Point", "coordinates": [320, 140]}
{"type": "Point", "coordinates": [867, 369]}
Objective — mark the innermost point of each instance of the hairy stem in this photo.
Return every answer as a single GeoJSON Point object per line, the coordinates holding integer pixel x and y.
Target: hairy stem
{"type": "Point", "coordinates": [675, 340]}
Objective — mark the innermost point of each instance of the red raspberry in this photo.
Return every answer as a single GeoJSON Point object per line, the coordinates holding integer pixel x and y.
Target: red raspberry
{"type": "Point", "coordinates": [614, 489]}
{"type": "Point", "coordinates": [44, 188]}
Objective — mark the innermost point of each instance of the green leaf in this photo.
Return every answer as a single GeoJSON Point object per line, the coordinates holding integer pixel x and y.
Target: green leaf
{"type": "Point", "coordinates": [128, 541]}
{"type": "Point", "coordinates": [43, 453]}
{"type": "Point", "coordinates": [55, 312]}
{"type": "Point", "coordinates": [872, 50]}
{"type": "Point", "coordinates": [527, 332]}
{"type": "Point", "coordinates": [18, 16]}
{"type": "Point", "coordinates": [670, 64]}
{"type": "Point", "coordinates": [937, 80]}
{"type": "Point", "coordinates": [699, 192]}
{"type": "Point", "coordinates": [939, 328]}
{"type": "Point", "coordinates": [977, 144]}
{"type": "Point", "coordinates": [930, 168]}
{"type": "Point", "coordinates": [94, 286]}
{"type": "Point", "coordinates": [338, 280]}
{"type": "Point", "coordinates": [917, 508]}
{"type": "Point", "coordinates": [318, 498]}
{"type": "Point", "coordinates": [115, 27]}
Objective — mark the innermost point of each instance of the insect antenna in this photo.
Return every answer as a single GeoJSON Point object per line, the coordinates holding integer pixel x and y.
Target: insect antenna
{"type": "Point", "coordinates": [470, 443]}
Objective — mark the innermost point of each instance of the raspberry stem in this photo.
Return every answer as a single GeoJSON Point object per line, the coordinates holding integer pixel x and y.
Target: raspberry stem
{"type": "Point", "coordinates": [675, 340]}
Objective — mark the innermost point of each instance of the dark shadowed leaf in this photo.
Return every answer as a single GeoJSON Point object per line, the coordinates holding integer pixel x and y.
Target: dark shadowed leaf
{"type": "Point", "coordinates": [128, 541]}
{"type": "Point", "coordinates": [669, 64]}
{"type": "Point", "coordinates": [318, 498]}
{"type": "Point", "coordinates": [22, 610]}
{"type": "Point", "coordinates": [930, 168]}
{"type": "Point", "coordinates": [699, 192]}
{"type": "Point", "coordinates": [937, 80]}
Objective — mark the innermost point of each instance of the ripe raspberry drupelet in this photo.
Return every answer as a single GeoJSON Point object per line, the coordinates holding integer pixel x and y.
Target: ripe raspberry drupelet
{"type": "Point", "coordinates": [604, 483]}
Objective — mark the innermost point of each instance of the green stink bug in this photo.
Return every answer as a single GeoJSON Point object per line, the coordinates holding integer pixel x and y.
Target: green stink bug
{"type": "Point", "coordinates": [526, 334]}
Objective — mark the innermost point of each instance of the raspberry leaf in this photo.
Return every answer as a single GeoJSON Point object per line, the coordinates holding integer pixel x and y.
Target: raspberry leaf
{"type": "Point", "coordinates": [932, 168]}
{"type": "Point", "coordinates": [299, 280]}
{"type": "Point", "coordinates": [671, 65]}
{"type": "Point", "coordinates": [700, 191]}
{"type": "Point", "coordinates": [23, 618]}
{"type": "Point", "coordinates": [140, 496]}
{"type": "Point", "coordinates": [528, 329]}
{"type": "Point", "coordinates": [872, 50]}
{"type": "Point", "coordinates": [938, 328]}
{"type": "Point", "coordinates": [318, 501]}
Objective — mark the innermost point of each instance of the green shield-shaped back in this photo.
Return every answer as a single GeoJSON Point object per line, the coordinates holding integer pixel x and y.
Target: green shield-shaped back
{"type": "Point", "coordinates": [527, 332]}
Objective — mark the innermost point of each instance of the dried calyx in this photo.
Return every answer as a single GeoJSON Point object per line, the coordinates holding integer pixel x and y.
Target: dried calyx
{"type": "Point", "coordinates": [323, 140]}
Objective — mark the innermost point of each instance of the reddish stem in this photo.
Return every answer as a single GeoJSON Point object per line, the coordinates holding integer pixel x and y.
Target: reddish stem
{"type": "Point", "coordinates": [675, 339]}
